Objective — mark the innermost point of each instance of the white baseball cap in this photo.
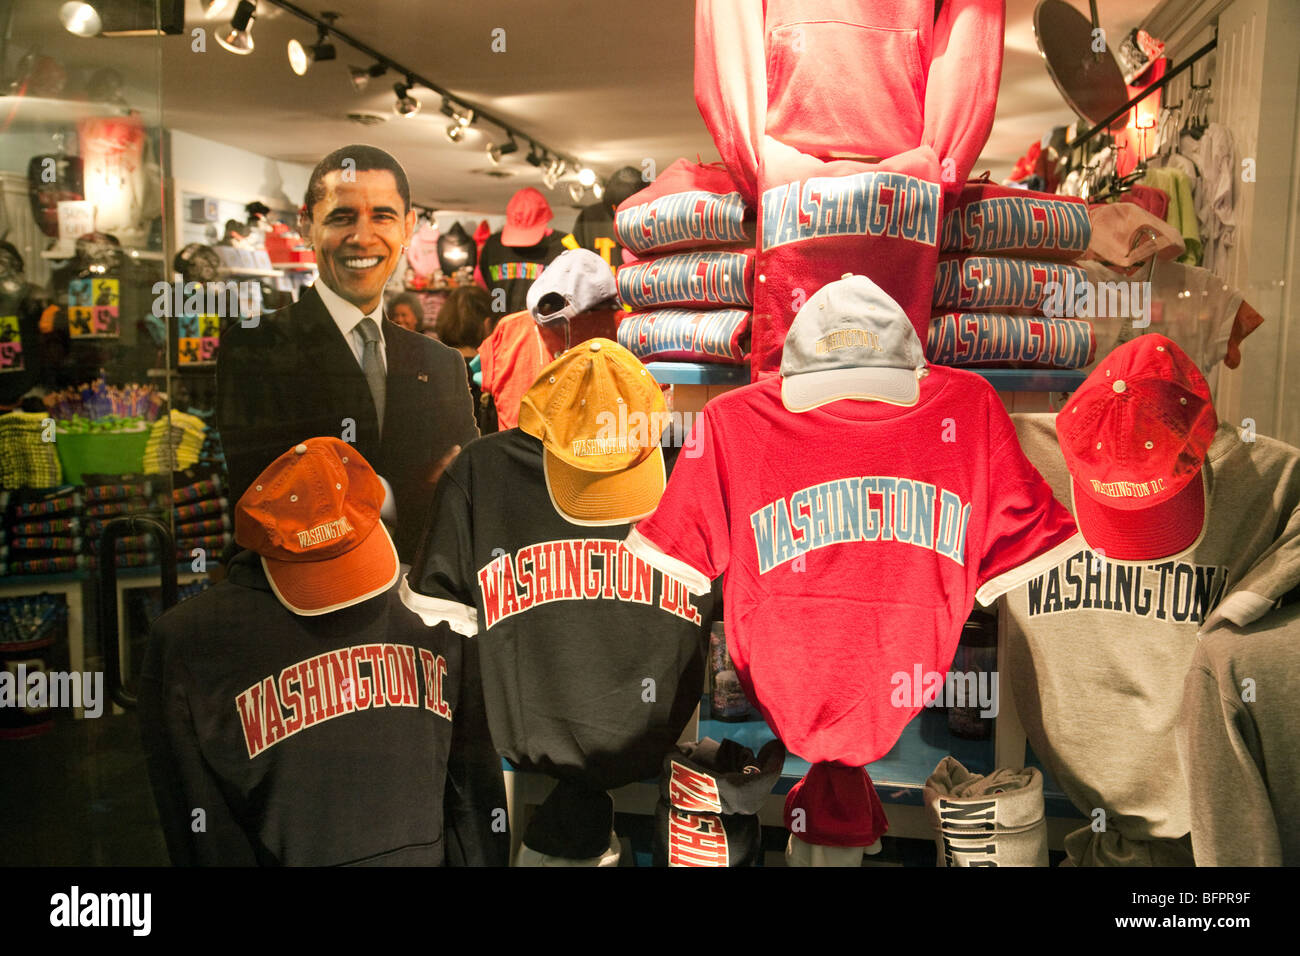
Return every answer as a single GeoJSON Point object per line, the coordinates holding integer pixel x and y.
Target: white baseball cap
{"type": "Point", "coordinates": [574, 282]}
{"type": "Point", "coordinates": [851, 340]}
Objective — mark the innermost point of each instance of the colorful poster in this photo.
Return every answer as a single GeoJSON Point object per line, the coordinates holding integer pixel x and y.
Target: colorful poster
{"type": "Point", "coordinates": [11, 344]}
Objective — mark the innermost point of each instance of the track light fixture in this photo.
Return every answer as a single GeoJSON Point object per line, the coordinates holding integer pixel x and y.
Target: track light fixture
{"type": "Point", "coordinates": [586, 176]}
{"type": "Point", "coordinates": [214, 8]}
{"type": "Point", "coordinates": [406, 105]}
{"type": "Point", "coordinates": [239, 39]}
{"type": "Point", "coordinates": [598, 190]}
{"type": "Point", "coordinates": [496, 150]}
{"type": "Point", "coordinates": [362, 75]}
{"type": "Point", "coordinates": [455, 132]}
{"type": "Point", "coordinates": [80, 19]}
{"type": "Point", "coordinates": [301, 58]}
{"type": "Point", "coordinates": [577, 191]}
{"type": "Point", "coordinates": [535, 156]}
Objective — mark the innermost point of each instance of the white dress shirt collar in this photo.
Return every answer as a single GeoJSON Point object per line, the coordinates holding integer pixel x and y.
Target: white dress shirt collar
{"type": "Point", "coordinates": [346, 316]}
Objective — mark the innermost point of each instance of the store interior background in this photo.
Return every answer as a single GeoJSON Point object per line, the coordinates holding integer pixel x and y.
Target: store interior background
{"type": "Point", "coordinates": [610, 83]}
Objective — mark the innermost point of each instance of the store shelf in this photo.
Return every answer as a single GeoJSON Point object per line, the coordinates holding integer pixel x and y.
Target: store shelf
{"type": "Point", "coordinates": [1032, 379]}
{"type": "Point", "coordinates": [698, 373]}
{"type": "Point", "coordinates": [1002, 379]}
{"type": "Point", "coordinates": [255, 273]}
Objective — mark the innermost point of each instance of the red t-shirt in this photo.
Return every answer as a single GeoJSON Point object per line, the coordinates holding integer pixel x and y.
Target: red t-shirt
{"type": "Point", "coordinates": [855, 539]}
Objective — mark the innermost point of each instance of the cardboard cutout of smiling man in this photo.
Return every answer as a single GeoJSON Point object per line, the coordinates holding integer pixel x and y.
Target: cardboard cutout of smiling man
{"type": "Point", "coordinates": [333, 365]}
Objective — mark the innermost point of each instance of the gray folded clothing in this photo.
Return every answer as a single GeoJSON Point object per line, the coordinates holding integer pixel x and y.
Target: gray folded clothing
{"type": "Point", "coordinates": [994, 820]}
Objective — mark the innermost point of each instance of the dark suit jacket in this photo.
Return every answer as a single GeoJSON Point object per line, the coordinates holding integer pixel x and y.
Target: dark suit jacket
{"type": "Point", "coordinates": [293, 376]}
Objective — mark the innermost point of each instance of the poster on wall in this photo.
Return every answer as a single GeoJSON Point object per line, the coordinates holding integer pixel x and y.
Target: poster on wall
{"type": "Point", "coordinates": [196, 341]}
{"type": "Point", "coordinates": [93, 308]}
{"type": "Point", "coordinates": [11, 344]}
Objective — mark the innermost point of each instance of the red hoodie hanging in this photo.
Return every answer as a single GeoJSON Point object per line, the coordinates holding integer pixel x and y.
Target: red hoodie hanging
{"type": "Point", "coordinates": [846, 124]}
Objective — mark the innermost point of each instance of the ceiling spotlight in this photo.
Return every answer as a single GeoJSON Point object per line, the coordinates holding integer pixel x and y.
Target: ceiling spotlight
{"type": "Point", "coordinates": [460, 114]}
{"type": "Point", "coordinates": [558, 167]}
{"type": "Point", "coordinates": [496, 150]}
{"type": "Point", "coordinates": [214, 8]}
{"type": "Point", "coordinates": [301, 58]}
{"type": "Point", "coordinates": [406, 105]}
{"type": "Point", "coordinates": [455, 132]}
{"type": "Point", "coordinates": [81, 19]}
{"type": "Point", "coordinates": [535, 155]}
{"type": "Point", "coordinates": [240, 37]}
{"type": "Point", "coordinates": [549, 179]}
{"type": "Point", "coordinates": [361, 75]}
{"type": "Point", "coordinates": [586, 176]}
{"type": "Point", "coordinates": [598, 191]}
{"type": "Point", "coordinates": [577, 191]}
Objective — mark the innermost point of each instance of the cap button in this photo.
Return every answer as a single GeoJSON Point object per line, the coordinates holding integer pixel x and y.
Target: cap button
{"type": "Point", "coordinates": [595, 346]}
{"type": "Point", "coordinates": [847, 275]}
{"type": "Point", "coordinates": [1119, 386]}
{"type": "Point", "coordinates": [300, 449]}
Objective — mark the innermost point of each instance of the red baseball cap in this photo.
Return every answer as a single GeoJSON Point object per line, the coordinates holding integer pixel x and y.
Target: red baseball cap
{"type": "Point", "coordinates": [1134, 436]}
{"type": "Point", "coordinates": [527, 214]}
{"type": "Point", "coordinates": [313, 516]}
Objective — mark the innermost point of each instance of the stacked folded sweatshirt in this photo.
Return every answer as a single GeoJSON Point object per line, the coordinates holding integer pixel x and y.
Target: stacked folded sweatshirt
{"type": "Point", "coordinates": [175, 443]}
{"type": "Point", "coordinates": [201, 515]}
{"type": "Point", "coordinates": [688, 272]}
{"type": "Point", "coordinates": [43, 531]}
{"type": "Point", "coordinates": [117, 496]}
{"type": "Point", "coordinates": [1007, 266]}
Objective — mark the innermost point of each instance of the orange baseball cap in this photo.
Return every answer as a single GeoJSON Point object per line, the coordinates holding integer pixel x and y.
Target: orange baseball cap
{"type": "Point", "coordinates": [599, 414]}
{"type": "Point", "coordinates": [313, 516]}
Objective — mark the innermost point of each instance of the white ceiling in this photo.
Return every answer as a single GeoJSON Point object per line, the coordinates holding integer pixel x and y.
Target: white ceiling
{"type": "Point", "coordinates": [607, 81]}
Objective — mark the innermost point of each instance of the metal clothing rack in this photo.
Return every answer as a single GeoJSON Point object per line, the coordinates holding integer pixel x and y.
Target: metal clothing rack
{"type": "Point", "coordinates": [1159, 84]}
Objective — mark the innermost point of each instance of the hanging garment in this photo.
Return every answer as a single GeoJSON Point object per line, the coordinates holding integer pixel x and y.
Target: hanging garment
{"type": "Point", "coordinates": [846, 165]}
{"type": "Point", "coordinates": [1181, 213]}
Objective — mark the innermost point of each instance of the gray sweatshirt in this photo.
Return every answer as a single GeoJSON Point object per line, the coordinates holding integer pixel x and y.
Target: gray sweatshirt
{"type": "Point", "coordinates": [1098, 650]}
{"type": "Point", "coordinates": [1237, 735]}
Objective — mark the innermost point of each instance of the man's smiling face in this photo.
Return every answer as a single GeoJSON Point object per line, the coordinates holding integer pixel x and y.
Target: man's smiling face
{"type": "Point", "coordinates": [358, 228]}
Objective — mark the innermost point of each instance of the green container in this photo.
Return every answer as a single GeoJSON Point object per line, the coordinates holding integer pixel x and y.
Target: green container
{"type": "Point", "coordinates": [101, 453]}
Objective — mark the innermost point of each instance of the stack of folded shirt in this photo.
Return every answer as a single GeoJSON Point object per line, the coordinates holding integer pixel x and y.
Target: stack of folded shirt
{"type": "Point", "coordinates": [175, 443]}
{"type": "Point", "coordinates": [201, 514]}
{"type": "Point", "coordinates": [43, 531]}
{"type": "Point", "coordinates": [688, 272]}
{"type": "Point", "coordinates": [27, 459]}
{"type": "Point", "coordinates": [1003, 279]}
{"type": "Point", "coordinates": [115, 496]}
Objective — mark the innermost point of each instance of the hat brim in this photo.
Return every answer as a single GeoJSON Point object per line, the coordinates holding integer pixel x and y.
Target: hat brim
{"type": "Point", "coordinates": [808, 390]}
{"type": "Point", "coordinates": [522, 235]}
{"type": "Point", "coordinates": [598, 498]}
{"type": "Point", "coordinates": [309, 588]}
{"type": "Point", "coordinates": [1155, 533]}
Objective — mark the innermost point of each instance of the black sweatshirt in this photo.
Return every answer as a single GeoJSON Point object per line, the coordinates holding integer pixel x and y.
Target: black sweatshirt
{"type": "Point", "coordinates": [268, 723]}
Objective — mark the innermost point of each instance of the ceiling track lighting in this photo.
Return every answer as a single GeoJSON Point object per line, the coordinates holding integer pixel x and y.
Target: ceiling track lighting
{"type": "Point", "coordinates": [577, 191]}
{"type": "Point", "coordinates": [214, 8]}
{"type": "Point", "coordinates": [496, 150]}
{"type": "Point", "coordinates": [406, 105]}
{"type": "Point", "coordinates": [301, 58]}
{"type": "Point", "coordinates": [80, 19]}
{"type": "Point", "coordinates": [598, 191]}
{"type": "Point", "coordinates": [239, 39]}
{"type": "Point", "coordinates": [362, 75]}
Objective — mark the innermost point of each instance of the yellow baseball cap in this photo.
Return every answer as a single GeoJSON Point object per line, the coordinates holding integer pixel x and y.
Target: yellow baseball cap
{"type": "Point", "coordinates": [599, 414]}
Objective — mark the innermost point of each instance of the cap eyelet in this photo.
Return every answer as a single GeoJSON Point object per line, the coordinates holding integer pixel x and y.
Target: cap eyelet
{"type": "Point", "coordinates": [551, 379]}
{"type": "Point", "coordinates": [1160, 348]}
{"type": "Point", "coordinates": [259, 487]}
{"type": "Point", "coordinates": [293, 497]}
{"type": "Point", "coordinates": [1182, 401]}
{"type": "Point", "coordinates": [1099, 446]}
{"type": "Point", "coordinates": [1151, 445]}
{"type": "Point", "coordinates": [337, 486]}
{"type": "Point", "coordinates": [345, 459]}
